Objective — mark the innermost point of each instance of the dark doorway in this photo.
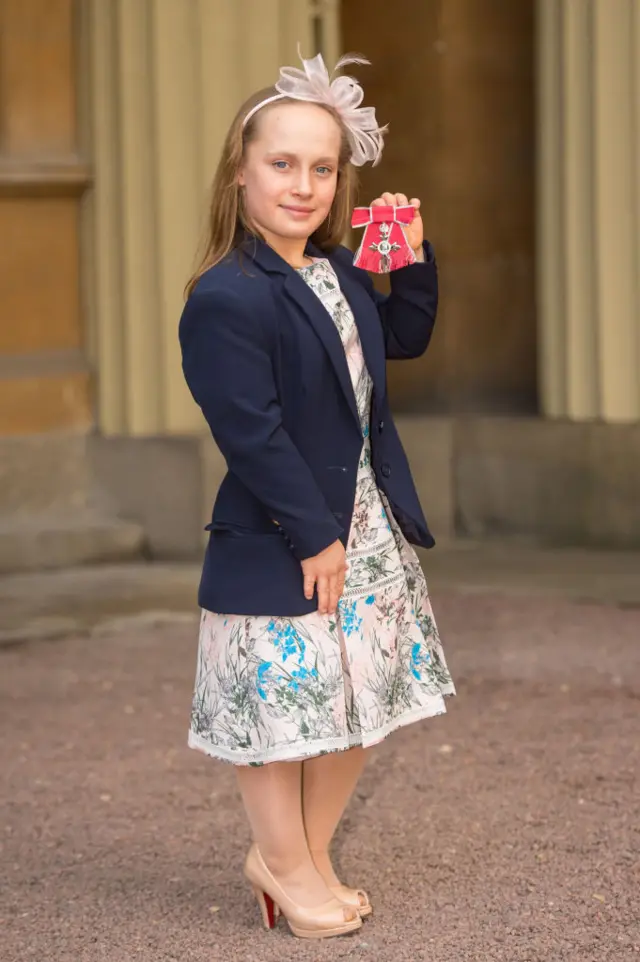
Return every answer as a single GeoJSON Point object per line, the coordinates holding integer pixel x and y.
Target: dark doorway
{"type": "Point", "coordinates": [455, 81]}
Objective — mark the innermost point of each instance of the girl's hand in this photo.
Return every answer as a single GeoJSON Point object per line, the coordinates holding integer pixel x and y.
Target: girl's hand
{"type": "Point", "coordinates": [415, 231]}
{"type": "Point", "coordinates": [326, 570]}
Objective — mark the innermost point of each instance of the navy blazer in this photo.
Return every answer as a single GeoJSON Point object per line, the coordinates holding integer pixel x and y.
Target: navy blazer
{"type": "Point", "coordinates": [264, 361]}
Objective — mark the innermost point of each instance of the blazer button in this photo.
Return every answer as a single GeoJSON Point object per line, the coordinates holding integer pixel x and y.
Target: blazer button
{"type": "Point", "coordinates": [380, 426]}
{"type": "Point", "coordinates": [385, 470]}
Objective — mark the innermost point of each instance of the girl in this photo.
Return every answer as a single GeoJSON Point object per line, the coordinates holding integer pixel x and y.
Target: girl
{"type": "Point", "coordinates": [317, 637]}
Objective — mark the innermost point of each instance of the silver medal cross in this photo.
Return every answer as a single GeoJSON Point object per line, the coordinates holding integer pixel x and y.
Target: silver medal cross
{"type": "Point", "coordinates": [384, 248]}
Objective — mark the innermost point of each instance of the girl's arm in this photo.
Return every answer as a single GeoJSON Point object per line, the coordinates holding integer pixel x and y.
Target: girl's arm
{"type": "Point", "coordinates": [408, 313]}
{"type": "Point", "coordinates": [228, 369]}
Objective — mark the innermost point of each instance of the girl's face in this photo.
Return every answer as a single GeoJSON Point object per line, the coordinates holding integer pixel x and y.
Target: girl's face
{"type": "Point", "coordinates": [290, 170]}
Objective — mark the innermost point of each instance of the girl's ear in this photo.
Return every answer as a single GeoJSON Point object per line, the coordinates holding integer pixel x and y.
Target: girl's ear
{"type": "Point", "coordinates": [240, 180]}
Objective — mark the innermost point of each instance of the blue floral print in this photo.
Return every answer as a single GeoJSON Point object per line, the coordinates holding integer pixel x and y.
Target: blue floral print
{"type": "Point", "coordinates": [349, 619]}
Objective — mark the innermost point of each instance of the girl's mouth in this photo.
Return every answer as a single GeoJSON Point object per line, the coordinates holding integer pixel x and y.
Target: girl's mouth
{"type": "Point", "coordinates": [297, 210]}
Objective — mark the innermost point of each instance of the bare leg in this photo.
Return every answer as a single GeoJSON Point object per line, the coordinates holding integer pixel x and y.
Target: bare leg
{"type": "Point", "coordinates": [328, 783]}
{"type": "Point", "coordinates": [272, 797]}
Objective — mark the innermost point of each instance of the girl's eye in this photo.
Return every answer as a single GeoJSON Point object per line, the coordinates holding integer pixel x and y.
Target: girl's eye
{"type": "Point", "coordinates": [280, 164]}
{"type": "Point", "coordinates": [324, 170]}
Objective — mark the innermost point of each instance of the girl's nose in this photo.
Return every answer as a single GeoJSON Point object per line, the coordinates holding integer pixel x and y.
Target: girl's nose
{"type": "Point", "coordinates": [303, 187]}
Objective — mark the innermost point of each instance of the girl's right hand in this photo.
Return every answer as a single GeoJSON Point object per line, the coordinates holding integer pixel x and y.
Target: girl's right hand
{"type": "Point", "coordinates": [326, 571]}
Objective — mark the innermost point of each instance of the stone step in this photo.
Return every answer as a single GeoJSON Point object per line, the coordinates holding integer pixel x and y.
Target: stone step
{"type": "Point", "coordinates": [99, 599]}
{"type": "Point", "coordinates": [44, 543]}
{"type": "Point", "coordinates": [95, 598]}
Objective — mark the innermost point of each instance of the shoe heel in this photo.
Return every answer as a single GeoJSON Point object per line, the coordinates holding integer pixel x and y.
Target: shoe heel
{"type": "Point", "coordinates": [268, 908]}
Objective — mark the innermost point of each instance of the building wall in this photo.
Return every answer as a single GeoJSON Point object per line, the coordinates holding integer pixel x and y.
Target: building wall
{"type": "Point", "coordinates": [112, 117]}
{"type": "Point", "coordinates": [111, 120]}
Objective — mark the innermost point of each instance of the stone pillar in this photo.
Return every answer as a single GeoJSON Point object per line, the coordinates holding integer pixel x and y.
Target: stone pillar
{"type": "Point", "coordinates": [588, 209]}
{"type": "Point", "coordinates": [166, 77]}
{"type": "Point", "coordinates": [455, 82]}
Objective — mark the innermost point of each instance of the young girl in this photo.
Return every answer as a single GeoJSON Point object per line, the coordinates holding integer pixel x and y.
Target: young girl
{"type": "Point", "coordinates": [317, 638]}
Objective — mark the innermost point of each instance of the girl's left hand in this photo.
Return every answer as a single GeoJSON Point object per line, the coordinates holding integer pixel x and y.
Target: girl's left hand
{"type": "Point", "coordinates": [415, 231]}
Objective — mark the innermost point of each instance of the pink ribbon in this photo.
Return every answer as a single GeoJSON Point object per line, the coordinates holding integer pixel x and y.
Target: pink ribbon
{"type": "Point", "coordinates": [384, 245]}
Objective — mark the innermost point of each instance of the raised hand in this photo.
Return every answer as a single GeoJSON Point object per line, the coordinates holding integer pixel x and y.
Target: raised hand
{"type": "Point", "coordinates": [415, 231]}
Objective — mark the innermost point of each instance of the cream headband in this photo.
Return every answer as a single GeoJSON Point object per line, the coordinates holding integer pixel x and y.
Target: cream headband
{"type": "Point", "coordinates": [344, 94]}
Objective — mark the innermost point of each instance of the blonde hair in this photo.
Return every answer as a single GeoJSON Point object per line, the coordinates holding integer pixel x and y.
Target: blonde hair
{"type": "Point", "coordinates": [228, 221]}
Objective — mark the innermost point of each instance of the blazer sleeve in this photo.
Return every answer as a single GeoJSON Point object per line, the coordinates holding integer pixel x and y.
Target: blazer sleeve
{"type": "Point", "coordinates": [228, 368]}
{"type": "Point", "coordinates": [408, 313]}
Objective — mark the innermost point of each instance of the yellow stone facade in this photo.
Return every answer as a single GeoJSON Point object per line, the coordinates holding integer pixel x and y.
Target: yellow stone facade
{"type": "Point", "coordinates": [167, 77]}
{"type": "Point", "coordinates": [588, 72]}
{"type": "Point", "coordinates": [109, 147]}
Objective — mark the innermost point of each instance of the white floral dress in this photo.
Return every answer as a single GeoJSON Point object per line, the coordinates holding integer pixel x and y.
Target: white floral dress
{"type": "Point", "coordinates": [274, 689]}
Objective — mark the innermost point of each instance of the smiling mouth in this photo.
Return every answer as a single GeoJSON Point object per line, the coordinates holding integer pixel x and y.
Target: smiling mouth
{"type": "Point", "coordinates": [298, 210]}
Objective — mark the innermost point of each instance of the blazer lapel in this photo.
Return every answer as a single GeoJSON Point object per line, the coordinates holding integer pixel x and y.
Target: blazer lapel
{"type": "Point", "coordinates": [318, 316]}
{"type": "Point", "coordinates": [369, 326]}
{"type": "Point", "coordinates": [322, 323]}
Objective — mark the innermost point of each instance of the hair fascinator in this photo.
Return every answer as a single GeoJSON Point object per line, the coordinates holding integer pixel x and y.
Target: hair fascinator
{"type": "Point", "coordinates": [313, 84]}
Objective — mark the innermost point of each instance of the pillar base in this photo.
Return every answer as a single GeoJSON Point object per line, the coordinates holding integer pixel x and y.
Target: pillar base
{"type": "Point", "coordinates": [70, 500]}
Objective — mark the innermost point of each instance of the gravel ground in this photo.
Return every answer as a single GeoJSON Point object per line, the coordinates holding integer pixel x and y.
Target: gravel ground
{"type": "Point", "coordinates": [507, 830]}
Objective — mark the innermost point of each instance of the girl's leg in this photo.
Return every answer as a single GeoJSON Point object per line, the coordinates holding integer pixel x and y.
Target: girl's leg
{"type": "Point", "coordinates": [272, 797]}
{"type": "Point", "coordinates": [328, 783]}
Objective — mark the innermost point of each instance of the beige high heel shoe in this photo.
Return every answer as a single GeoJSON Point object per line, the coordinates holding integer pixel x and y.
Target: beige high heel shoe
{"type": "Point", "coordinates": [331, 918]}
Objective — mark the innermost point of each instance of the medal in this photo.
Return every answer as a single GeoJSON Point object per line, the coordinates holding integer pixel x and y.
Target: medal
{"type": "Point", "coordinates": [384, 246]}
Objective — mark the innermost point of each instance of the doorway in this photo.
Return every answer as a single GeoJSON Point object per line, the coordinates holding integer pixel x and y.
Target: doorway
{"type": "Point", "coordinates": [454, 79]}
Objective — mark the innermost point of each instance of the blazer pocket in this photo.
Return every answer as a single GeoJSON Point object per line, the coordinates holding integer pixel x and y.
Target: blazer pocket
{"type": "Point", "coordinates": [233, 530]}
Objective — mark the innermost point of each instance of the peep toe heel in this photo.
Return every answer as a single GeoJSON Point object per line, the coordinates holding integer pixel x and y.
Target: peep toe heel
{"type": "Point", "coordinates": [358, 898]}
{"type": "Point", "coordinates": [330, 919]}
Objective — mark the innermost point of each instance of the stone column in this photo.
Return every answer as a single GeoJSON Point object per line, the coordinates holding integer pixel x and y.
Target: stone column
{"type": "Point", "coordinates": [588, 209]}
{"type": "Point", "coordinates": [166, 77]}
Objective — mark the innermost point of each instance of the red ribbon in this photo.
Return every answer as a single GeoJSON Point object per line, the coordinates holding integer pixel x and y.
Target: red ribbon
{"type": "Point", "coordinates": [384, 246]}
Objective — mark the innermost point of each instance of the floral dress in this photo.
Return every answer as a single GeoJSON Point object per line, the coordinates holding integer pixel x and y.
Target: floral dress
{"type": "Point", "coordinates": [275, 689]}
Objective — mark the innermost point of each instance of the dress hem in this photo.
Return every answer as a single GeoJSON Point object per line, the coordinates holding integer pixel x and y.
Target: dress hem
{"type": "Point", "coordinates": [293, 753]}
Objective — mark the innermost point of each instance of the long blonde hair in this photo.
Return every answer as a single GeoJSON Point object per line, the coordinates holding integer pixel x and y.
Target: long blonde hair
{"type": "Point", "coordinates": [228, 220]}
